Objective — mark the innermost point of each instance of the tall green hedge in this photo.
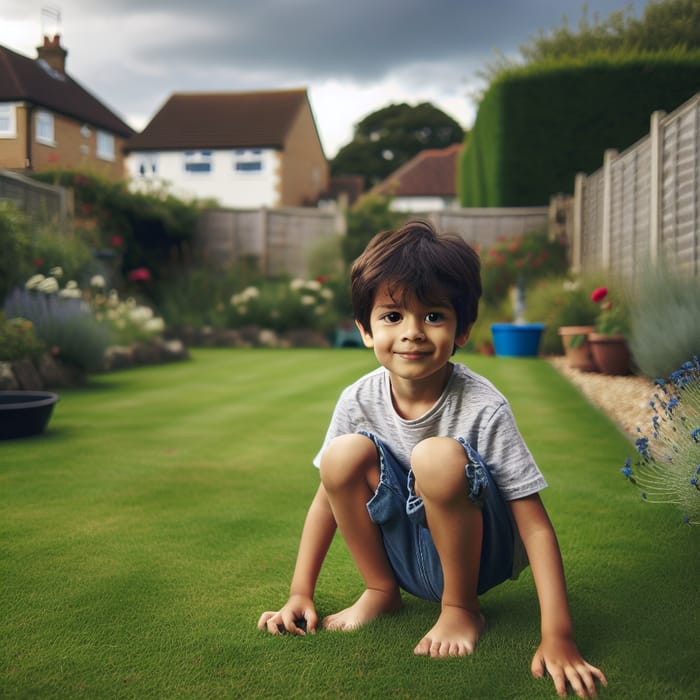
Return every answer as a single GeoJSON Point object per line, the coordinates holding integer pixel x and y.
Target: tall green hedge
{"type": "Point", "coordinates": [537, 126]}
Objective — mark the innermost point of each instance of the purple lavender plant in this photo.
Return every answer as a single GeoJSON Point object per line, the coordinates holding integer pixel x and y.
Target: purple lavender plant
{"type": "Point", "coordinates": [67, 326]}
{"type": "Point", "coordinates": [667, 467]}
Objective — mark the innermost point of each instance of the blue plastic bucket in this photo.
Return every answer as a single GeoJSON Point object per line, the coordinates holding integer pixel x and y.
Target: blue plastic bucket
{"type": "Point", "coordinates": [517, 339]}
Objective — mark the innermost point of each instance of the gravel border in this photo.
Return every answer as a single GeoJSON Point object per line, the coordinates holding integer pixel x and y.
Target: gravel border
{"type": "Point", "coordinates": [624, 399]}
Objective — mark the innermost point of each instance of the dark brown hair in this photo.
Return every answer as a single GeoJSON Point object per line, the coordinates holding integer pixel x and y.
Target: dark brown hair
{"type": "Point", "coordinates": [416, 260]}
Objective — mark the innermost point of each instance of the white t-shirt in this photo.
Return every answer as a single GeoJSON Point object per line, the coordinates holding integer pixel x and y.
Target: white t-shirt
{"type": "Point", "coordinates": [470, 407]}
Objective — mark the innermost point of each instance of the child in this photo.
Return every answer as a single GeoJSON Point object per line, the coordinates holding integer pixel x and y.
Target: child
{"type": "Point", "coordinates": [404, 472]}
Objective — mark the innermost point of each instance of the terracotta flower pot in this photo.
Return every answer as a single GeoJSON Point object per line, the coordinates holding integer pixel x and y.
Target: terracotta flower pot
{"type": "Point", "coordinates": [579, 356]}
{"type": "Point", "coordinates": [610, 353]}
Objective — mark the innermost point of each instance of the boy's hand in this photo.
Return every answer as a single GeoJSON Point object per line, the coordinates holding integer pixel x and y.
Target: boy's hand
{"type": "Point", "coordinates": [289, 619]}
{"type": "Point", "coordinates": [561, 659]}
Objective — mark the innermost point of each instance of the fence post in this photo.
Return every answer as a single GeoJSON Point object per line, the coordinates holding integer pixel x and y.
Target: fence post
{"type": "Point", "coordinates": [577, 242]}
{"type": "Point", "coordinates": [655, 175]}
{"type": "Point", "coordinates": [606, 241]}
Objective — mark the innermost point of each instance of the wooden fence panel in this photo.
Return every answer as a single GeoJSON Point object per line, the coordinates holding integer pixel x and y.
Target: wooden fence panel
{"type": "Point", "coordinates": [644, 204]}
{"type": "Point", "coordinates": [482, 227]}
{"type": "Point", "coordinates": [43, 203]}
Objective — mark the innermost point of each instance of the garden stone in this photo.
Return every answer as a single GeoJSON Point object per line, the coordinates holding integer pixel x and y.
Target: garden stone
{"type": "Point", "coordinates": [8, 381]}
{"type": "Point", "coordinates": [172, 350]}
{"type": "Point", "coordinates": [268, 338]}
{"type": "Point", "coordinates": [304, 338]}
{"type": "Point", "coordinates": [146, 354]}
{"type": "Point", "coordinates": [51, 372]}
{"type": "Point", "coordinates": [118, 357]}
{"type": "Point", "coordinates": [27, 376]}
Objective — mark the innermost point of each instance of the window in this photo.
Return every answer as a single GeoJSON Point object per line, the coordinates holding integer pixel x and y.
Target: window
{"type": "Point", "coordinates": [105, 145]}
{"type": "Point", "coordinates": [44, 128]}
{"type": "Point", "coordinates": [148, 164]}
{"type": "Point", "coordinates": [8, 128]}
{"type": "Point", "coordinates": [247, 160]}
{"type": "Point", "coordinates": [198, 161]}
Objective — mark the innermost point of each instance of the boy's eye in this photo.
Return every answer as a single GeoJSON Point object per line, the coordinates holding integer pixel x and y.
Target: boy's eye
{"type": "Point", "coordinates": [392, 317]}
{"type": "Point", "coordinates": [434, 317]}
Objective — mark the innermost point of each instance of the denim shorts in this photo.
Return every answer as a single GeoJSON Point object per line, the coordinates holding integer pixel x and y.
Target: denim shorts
{"type": "Point", "coordinates": [400, 515]}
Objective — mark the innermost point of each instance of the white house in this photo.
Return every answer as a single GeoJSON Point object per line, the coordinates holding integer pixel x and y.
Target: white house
{"type": "Point", "coordinates": [244, 150]}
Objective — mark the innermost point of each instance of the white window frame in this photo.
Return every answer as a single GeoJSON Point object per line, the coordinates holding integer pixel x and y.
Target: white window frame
{"type": "Point", "coordinates": [248, 161]}
{"type": "Point", "coordinates": [198, 163]}
{"type": "Point", "coordinates": [45, 128]}
{"type": "Point", "coordinates": [147, 165]}
{"type": "Point", "coordinates": [105, 145]}
{"type": "Point", "coordinates": [8, 120]}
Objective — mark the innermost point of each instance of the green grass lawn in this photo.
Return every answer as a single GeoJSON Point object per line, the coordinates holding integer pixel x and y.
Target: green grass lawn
{"type": "Point", "coordinates": [144, 533]}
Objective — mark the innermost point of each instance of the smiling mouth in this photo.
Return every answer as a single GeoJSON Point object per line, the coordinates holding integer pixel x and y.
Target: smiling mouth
{"type": "Point", "coordinates": [412, 354]}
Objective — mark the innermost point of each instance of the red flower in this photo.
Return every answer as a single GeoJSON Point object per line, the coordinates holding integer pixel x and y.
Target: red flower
{"type": "Point", "coordinates": [599, 294]}
{"type": "Point", "coordinates": [140, 274]}
{"type": "Point", "coordinates": [117, 241]}
{"type": "Point", "coordinates": [38, 262]}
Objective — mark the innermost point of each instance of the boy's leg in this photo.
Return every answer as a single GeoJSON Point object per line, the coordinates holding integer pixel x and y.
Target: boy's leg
{"type": "Point", "coordinates": [456, 527]}
{"type": "Point", "coordinates": [350, 476]}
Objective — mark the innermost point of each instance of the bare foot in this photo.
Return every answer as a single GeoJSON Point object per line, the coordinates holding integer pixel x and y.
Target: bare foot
{"type": "Point", "coordinates": [370, 605]}
{"type": "Point", "coordinates": [456, 633]}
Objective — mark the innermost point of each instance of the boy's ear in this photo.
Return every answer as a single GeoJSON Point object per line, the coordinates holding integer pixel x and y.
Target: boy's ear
{"type": "Point", "coordinates": [462, 338]}
{"type": "Point", "coordinates": [367, 338]}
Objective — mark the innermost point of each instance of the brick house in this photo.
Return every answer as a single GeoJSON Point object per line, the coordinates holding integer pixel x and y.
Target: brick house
{"type": "Point", "coordinates": [242, 149]}
{"type": "Point", "coordinates": [49, 121]}
{"type": "Point", "coordinates": [427, 182]}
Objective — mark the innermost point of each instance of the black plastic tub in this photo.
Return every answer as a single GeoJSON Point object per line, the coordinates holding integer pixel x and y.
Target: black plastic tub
{"type": "Point", "coordinates": [24, 413]}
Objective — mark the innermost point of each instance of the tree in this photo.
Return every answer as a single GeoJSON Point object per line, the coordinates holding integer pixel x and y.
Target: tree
{"type": "Point", "coordinates": [665, 24]}
{"type": "Point", "coordinates": [384, 140]}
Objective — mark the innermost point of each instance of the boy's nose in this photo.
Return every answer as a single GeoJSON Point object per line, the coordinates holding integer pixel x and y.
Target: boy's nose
{"type": "Point", "coordinates": [413, 330]}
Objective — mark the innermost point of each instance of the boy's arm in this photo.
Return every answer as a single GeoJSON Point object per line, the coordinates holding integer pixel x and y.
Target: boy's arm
{"type": "Point", "coordinates": [557, 653]}
{"type": "Point", "coordinates": [316, 538]}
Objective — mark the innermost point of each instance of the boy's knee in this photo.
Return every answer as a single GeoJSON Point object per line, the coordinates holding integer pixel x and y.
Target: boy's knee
{"type": "Point", "coordinates": [438, 464]}
{"type": "Point", "coordinates": [346, 457]}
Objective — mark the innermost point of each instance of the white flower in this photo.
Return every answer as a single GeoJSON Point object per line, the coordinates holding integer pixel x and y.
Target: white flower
{"type": "Point", "coordinates": [313, 286]}
{"type": "Point", "coordinates": [71, 284]}
{"type": "Point", "coordinates": [97, 281]}
{"type": "Point", "coordinates": [34, 281]}
{"type": "Point", "coordinates": [154, 325]}
{"type": "Point", "coordinates": [307, 300]}
{"type": "Point", "coordinates": [140, 314]}
{"type": "Point", "coordinates": [250, 293]}
{"type": "Point", "coordinates": [296, 284]}
{"type": "Point", "coordinates": [571, 285]}
{"type": "Point", "coordinates": [327, 293]}
{"type": "Point", "coordinates": [56, 271]}
{"type": "Point", "coordinates": [70, 293]}
{"type": "Point", "coordinates": [48, 285]}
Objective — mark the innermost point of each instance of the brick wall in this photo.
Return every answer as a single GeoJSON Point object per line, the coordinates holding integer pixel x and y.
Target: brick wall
{"type": "Point", "coordinates": [73, 149]}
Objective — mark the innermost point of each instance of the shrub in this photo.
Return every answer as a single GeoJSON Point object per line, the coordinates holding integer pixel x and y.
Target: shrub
{"type": "Point", "coordinates": [18, 339]}
{"type": "Point", "coordinates": [664, 313]}
{"type": "Point", "coordinates": [559, 301]}
{"type": "Point", "coordinates": [520, 260]}
{"type": "Point", "coordinates": [200, 296]}
{"type": "Point", "coordinates": [67, 326]}
{"type": "Point", "coordinates": [283, 306]}
{"type": "Point", "coordinates": [370, 215]}
{"type": "Point", "coordinates": [16, 247]}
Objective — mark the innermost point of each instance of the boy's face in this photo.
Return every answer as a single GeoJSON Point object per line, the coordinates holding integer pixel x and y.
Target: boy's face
{"type": "Point", "coordinates": [414, 342]}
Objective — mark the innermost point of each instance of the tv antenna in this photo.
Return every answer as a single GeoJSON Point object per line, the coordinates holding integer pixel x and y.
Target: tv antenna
{"type": "Point", "coordinates": [50, 20]}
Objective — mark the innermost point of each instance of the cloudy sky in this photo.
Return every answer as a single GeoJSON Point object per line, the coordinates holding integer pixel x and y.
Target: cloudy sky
{"type": "Point", "coordinates": [354, 56]}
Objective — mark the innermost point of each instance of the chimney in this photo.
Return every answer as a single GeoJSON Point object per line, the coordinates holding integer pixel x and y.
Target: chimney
{"type": "Point", "coordinates": [53, 53]}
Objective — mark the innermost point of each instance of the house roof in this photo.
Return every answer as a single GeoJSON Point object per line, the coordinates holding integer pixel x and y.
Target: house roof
{"type": "Point", "coordinates": [222, 120]}
{"type": "Point", "coordinates": [25, 79]}
{"type": "Point", "coordinates": [430, 173]}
